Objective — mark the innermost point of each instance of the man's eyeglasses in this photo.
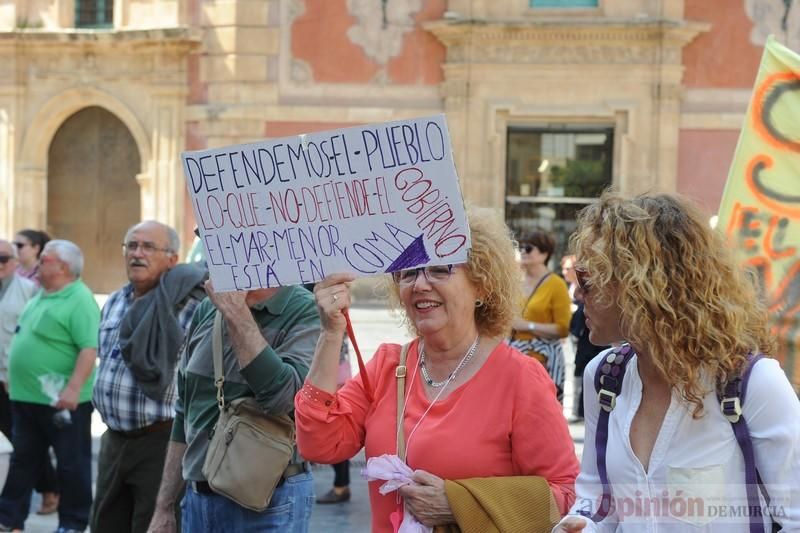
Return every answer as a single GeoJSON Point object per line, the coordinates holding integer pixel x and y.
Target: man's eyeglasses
{"type": "Point", "coordinates": [526, 248]}
{"type": "Point", "coordinates": [434, 274]}
{"type": "Point", "coordinates": [582, 277]}
{"type": "Point", "coordinates": [20, 245]}
{"type": "Point", "coordinates": [5, 259]}
{"type": "Point", "coordinates": [147, 248]}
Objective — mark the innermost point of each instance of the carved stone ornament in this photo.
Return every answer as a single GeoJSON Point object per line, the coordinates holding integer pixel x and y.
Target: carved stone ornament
{"type": "Point", "coordinates": [301, 71]}
{"type": "Point", "coordinates": [380, 26]}
{"type": "Point", "coordinates": [778, 17]}
{"type": "Point", "coordinates": [563, 43]}
{"type": "Point", "coordinates": [547, 54]}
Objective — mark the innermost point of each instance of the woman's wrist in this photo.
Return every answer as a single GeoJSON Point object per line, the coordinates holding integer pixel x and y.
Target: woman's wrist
{"type": "Point", "coordinates": [531, 327]}
{"type": "Point", "coordinates": [333, 334]}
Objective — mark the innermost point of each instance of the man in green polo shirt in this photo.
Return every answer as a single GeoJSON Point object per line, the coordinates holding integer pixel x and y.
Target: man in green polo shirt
{"type": "Point", "coordinates": [51, 373]}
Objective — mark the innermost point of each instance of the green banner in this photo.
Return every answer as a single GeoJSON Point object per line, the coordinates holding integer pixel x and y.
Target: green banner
{"type": "Point", "coordinates": [760, 209]}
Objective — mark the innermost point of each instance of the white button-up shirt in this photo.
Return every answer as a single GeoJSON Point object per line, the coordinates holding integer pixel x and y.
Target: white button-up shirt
{"type": "Point", "coordinates": [695, 480]}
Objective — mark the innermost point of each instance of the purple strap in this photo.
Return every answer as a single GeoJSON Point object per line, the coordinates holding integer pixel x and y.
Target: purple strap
{"type": "Point", "coordinates": [737, 389]}
{"type": "Point", "coordinates": [600, 444]}
{"type": "Point", "coordinates": [608, 384]}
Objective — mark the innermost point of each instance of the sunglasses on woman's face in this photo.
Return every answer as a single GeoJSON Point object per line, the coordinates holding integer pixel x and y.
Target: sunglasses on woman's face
{"type": "Point", "coordinates": [582, 276]}
{"type": "Point", "coordinates": [526, 248]}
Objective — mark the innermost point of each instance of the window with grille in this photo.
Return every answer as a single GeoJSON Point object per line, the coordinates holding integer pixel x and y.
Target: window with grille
{"type": "Point", "coordinates": [94, 13]}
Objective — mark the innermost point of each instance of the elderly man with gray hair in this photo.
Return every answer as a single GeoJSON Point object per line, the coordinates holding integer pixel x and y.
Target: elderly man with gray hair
{"type": "Point", "coordinates": [142, 328]}
{"type": "Point", "coordinates": [51, 373]}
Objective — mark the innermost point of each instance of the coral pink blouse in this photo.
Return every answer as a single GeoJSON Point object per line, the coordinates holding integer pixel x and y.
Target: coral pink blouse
{"type": "Point", "coordinates": [504, 421]}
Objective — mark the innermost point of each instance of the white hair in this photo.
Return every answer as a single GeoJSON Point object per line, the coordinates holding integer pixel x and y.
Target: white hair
{"type": "Point", "coordinates": [13, 248]}
{"type": "Point", "coordinates": [174, 244]}
{"type": "Point", "coordinates": [68, 252]}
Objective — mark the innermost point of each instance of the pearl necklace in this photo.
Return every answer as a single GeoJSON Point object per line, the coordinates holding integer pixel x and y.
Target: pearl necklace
{"type": "Point", "coordinates": [464, 360]}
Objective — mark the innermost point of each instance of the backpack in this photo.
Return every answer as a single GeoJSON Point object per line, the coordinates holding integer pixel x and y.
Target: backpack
{"type": "Point", "coordinates": [608, 384]}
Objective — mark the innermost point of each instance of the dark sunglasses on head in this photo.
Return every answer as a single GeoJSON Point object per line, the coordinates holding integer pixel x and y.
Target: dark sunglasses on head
{"type": "Point", "coordinates": [526, 248]}
{"type": "Point", "coordinates": [5, 259]}
{"type": "Point", "coordinates": [582, 276]}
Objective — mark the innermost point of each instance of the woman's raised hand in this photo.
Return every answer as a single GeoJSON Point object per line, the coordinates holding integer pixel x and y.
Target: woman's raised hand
{"type": "Point", "coordinates": [333, 295]}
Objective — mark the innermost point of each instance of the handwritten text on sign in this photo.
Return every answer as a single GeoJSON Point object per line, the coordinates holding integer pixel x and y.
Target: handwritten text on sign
{"type": "Point", "coordinates": [365, 200]}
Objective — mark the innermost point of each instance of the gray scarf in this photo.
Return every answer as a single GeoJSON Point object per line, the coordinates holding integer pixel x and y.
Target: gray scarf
{"type": "Point", "coordinates": [150, 335]}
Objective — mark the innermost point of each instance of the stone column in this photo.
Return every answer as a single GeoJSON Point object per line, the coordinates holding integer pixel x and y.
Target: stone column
{"type": "Point", "coordinates": [6, 166]}
{"type": "Point", "coordinates": [30, 198]}
{"type": "Point", "coordinates": [164, 182]}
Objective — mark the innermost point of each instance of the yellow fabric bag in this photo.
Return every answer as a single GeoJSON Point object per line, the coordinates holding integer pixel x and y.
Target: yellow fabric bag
{"type": "Point", "coordinates": [515, 504]}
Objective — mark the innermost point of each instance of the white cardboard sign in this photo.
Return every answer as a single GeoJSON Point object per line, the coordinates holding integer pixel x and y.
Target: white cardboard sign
{"type": "Point", "coordinates": [366, 200]}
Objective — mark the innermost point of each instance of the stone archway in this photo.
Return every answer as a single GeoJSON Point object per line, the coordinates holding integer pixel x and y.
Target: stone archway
{"type": "Point", "coordinates": [92, 192]}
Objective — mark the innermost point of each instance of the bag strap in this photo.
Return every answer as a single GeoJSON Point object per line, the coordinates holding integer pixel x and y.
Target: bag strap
{"type": "Point", "coordinates": [731, 398]}
{"type": "Point", "coordinates": [538, 284]}
{"type": "Point", "coordinates": [216, 346]}
{"type": "Point", "coordinates": [400, 374]}
{"type": "Point", "coordinates": [608, 384]}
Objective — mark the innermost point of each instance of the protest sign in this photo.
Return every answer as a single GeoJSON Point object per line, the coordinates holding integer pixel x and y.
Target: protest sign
{"type": "Point", "coordinates": [760, 209]}
{"type": "Point", "coordinates": [365, 200]}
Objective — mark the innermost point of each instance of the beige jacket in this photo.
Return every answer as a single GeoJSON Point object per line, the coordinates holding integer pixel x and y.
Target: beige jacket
{"type": "Point", "coordinates": [13, 302]}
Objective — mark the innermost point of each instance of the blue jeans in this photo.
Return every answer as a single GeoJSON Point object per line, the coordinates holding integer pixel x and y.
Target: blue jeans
{"type": "Point", "coordinates": [289, 510]}
{"type": "Point", "coordinates": [32, 434]}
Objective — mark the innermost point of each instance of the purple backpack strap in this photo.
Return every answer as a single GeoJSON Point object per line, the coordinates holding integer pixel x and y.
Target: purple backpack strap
{"type": "Point", "coordinates": [731, 401]}
{"type": "Point", "coordinates": [608, 384]}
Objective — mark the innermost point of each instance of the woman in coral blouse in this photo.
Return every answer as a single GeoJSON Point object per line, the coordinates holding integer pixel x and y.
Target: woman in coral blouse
{"type": "Point", "coordinates": [474, 406]}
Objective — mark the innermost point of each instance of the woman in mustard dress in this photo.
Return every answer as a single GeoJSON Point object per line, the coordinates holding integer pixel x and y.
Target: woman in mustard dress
{"type": "Point", "coordinates": [545, 317]}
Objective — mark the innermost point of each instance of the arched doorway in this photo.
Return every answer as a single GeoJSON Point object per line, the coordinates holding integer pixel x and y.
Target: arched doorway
{"type": "Point", "coordinates": [92, 194]}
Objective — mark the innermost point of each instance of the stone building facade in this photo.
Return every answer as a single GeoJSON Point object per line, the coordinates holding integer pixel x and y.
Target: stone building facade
{"type": "Point", "coordinates": [548, 101]}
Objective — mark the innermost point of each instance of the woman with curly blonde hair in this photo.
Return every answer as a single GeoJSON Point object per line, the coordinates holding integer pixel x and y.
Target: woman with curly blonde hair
{"type": "Point", "coordinates": [472, 406]}
{"type": "Point", "coordinates": [659, 281]}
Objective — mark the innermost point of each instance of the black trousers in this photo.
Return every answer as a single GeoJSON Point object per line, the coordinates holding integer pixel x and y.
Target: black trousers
{"type": "Point", "coordinates": [128, 476]}
{"type": "Point", "coordinates": [48, 481]}
{"type": "Point", "coordinates": [5, 412]}
{"type": "Point", "coordinates": [33, 433]}
{"type": "Point", "coordinates": [341, 474]}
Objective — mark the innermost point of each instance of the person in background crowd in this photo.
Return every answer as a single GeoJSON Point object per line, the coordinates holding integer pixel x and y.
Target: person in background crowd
{"type": "Point", "coordinates": [474, 407]}
{"type": "Point", "coordinates": [268, 338]}
{"type": "Point", "coordinates": [545, 317]}
{"type": "Point", "coordinates": [340, 492]}
{"type": "Point", "coordinates": [585, 351]}
{"type": "Point", "coordinates": [142, 328]}
{"type": "Point", "coordinates": [568, 273]}
{"type": "Point", "coordinates": [15, 291]}
{"type": "Point", "coordinates": [579, 336]}
{"type": "Point", "coordinates": [29, 244]}
{"type": "Point", "coordinates": [51, 373]}
{"type": "Point", "coordinates": [656, 277]}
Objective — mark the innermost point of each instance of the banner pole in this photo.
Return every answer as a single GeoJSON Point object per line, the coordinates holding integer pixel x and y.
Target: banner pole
{"type": "Point", "coordinates": [361, 367]}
